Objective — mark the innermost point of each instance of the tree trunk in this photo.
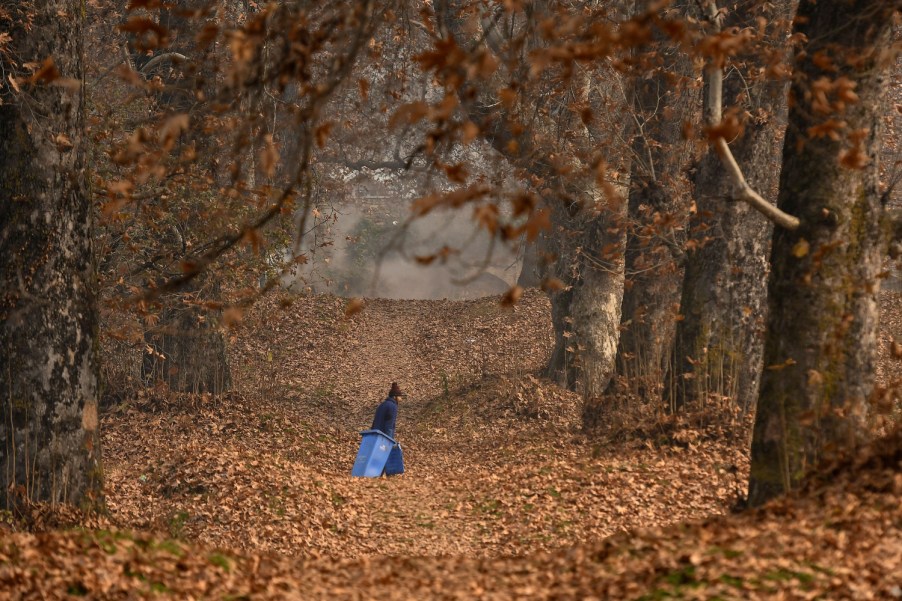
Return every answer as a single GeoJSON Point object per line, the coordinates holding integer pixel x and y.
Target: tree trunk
{"type": "Point", "coordinates": [586, 314]}
{"type": "Point", "coordinates": [533, 269]}
{"type": "Point", "coordinates": [719, 339]}
{"type": "Point", "coordinates": [48, 299]}
{"type": "Point", "coordinates": [658, 204]}
{"type": "Point", "coordinates": [822, 321]}
{"type": "Point", "coordinates": [186, 350]}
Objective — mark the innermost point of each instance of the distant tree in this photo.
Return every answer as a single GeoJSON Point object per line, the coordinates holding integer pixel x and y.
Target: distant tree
{"type": "Point", "coordinates": [184, 346]}
{"type": "Point", "coordinates": [199, 198]}
{"type": "Point", "coordinates": [822, 310]}
{"type": "Point", "coordinates": [551, 121]}
{"type": "Point", "coordinates": [49, 444]}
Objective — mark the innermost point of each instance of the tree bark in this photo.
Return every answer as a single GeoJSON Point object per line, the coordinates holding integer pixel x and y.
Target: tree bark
{"type": "Point", "coordinates": [186, 350]}
{"type": "Point", "coordinates": [49, 444]}
{"type": "Point", "coordinates": [822, 321]}
{"type": "Point", "coordinates": [586, 313]}
{"type": "Point", "coordinates": [533, 269]}
{"type": "Point", "coordinates": [658, 206]}
{"type": "Point", "coordinates": [719, 338]}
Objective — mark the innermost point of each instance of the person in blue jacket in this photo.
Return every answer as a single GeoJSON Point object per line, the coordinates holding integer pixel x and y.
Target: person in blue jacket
{"type": "Point", "coordinates": [387, 412]}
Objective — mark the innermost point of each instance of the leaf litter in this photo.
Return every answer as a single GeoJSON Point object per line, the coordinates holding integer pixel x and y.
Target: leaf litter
{"type": "Point", "coordinates": [249, 495]}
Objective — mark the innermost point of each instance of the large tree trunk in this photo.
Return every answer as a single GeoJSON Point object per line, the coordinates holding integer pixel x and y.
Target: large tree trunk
{"type": "Point", "coordinates": [658, 204]}
{"type": "Point", "coordinates": [822, 321]}
{"type": "Point", "coordinates": [718, 344]}
{"type": "Point", "coordinates": [49, 445]}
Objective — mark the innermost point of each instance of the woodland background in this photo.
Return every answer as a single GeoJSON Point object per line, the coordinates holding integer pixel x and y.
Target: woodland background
{"type": "Point", "coordinates": [632, 261]}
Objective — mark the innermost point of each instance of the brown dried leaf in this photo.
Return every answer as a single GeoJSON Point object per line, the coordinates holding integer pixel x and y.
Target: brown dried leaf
{"type": "Point", "coordinates": [470, 131]}
{"type": "Point", "coordinates": [800, 248]}
{"type": "Point", "coordinates": [172, 128]}
{"type": "Point", "coordinates": [322, 133]}
{"type": "Point", "coordinates": [269, 156]}
{"type": "Point", "coordinates": [47, 73]}
{"type": "Point", "coordinates": [512, 296]}
{"type": "Point", "coordinates": [354, 305]}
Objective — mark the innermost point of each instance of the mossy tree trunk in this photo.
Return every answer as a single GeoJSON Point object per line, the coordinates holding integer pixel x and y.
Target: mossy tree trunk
{"type": "Point", "coordinates": [719, 339]}
{"type": "Point", "coordinates": [822, 320]}
{"type": "Point", "coordinates": [49, 444]}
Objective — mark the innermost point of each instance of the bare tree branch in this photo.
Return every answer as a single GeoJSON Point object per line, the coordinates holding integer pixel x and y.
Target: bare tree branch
{"type": "Point", "coordinates": [749, 195]}
{"type": "Point", "coordinates": [307, 118]}
{"type": "Point", "coordinates": [169, 56]}
{"type": "Point", "coordinates": [714, 112]}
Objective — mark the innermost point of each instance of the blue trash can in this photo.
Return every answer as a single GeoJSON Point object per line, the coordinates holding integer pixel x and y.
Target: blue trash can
{"type": "Point", "coordinates": [375, 449]}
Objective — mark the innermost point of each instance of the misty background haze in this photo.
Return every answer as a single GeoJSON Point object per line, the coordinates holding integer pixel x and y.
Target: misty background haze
{"type": "Point", "coordinates": [367, 247]}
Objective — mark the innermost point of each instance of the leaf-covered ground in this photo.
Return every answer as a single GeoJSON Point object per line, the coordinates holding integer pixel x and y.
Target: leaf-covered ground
{"type": "Point", "coordinates": [250, 495]}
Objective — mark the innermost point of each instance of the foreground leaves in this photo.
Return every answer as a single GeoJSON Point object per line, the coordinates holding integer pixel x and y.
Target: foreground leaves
{"type": "Point", "coordinates": [841, 539]}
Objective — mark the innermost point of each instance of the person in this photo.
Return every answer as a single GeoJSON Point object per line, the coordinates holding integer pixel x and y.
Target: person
{"type": "Point", "coordinates": [387, 412]}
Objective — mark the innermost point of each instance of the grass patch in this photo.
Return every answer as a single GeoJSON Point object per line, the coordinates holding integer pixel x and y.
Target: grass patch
{"type": "Point", "coordinates": [424, 521]}
{"type": "Point", "coordinates": [275, 503]}
{"type": "Point", "coordinates": [221, 561]}
{"type": "Point", "coordinates": [177, 524]}
{"type": "Point", "coordinates": [783, 575]}
{"type": "Point", "coordinates": [682, 577]}
{"type": "Point", "coordinates": [171, 547]}
{"type": "Point", "coordinates": [490, 506]}
{"type": "Point", "coordinates": [728, 553]}
{"type": "Point", "coordinates": [77, 590]}
{"type": "Point", "coordinates": [105, 539]}
{"type": "Point", "coordinates": [731, 580]}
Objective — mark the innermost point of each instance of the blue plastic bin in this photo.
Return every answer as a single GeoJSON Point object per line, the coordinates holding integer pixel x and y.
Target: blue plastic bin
{"type": "Point", "coordinates": [375, 449]}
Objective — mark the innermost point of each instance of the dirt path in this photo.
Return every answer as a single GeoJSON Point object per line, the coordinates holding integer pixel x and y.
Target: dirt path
{"type": "Point", "coordinates": [495, 462]}
{"type": "Point", "coordinates": [340, 368]}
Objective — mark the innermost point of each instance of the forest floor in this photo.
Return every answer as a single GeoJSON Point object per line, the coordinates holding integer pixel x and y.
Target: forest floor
{"type": "Point", "coordinates": [250, 495]}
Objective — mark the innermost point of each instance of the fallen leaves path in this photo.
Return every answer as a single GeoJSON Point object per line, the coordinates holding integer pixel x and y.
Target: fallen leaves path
{"type": "Point", "coordinates": [503, 497]}
{"type": "Point", "coordinates": [495, 461]}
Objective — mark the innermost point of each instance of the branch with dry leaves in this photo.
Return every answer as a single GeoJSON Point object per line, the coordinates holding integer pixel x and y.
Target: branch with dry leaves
{"type": "Point", "coordinates": [307, 118]}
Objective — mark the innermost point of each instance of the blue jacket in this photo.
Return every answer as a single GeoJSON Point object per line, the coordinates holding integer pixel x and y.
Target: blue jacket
{"type": "Point", "coordinates": [386, 414]}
